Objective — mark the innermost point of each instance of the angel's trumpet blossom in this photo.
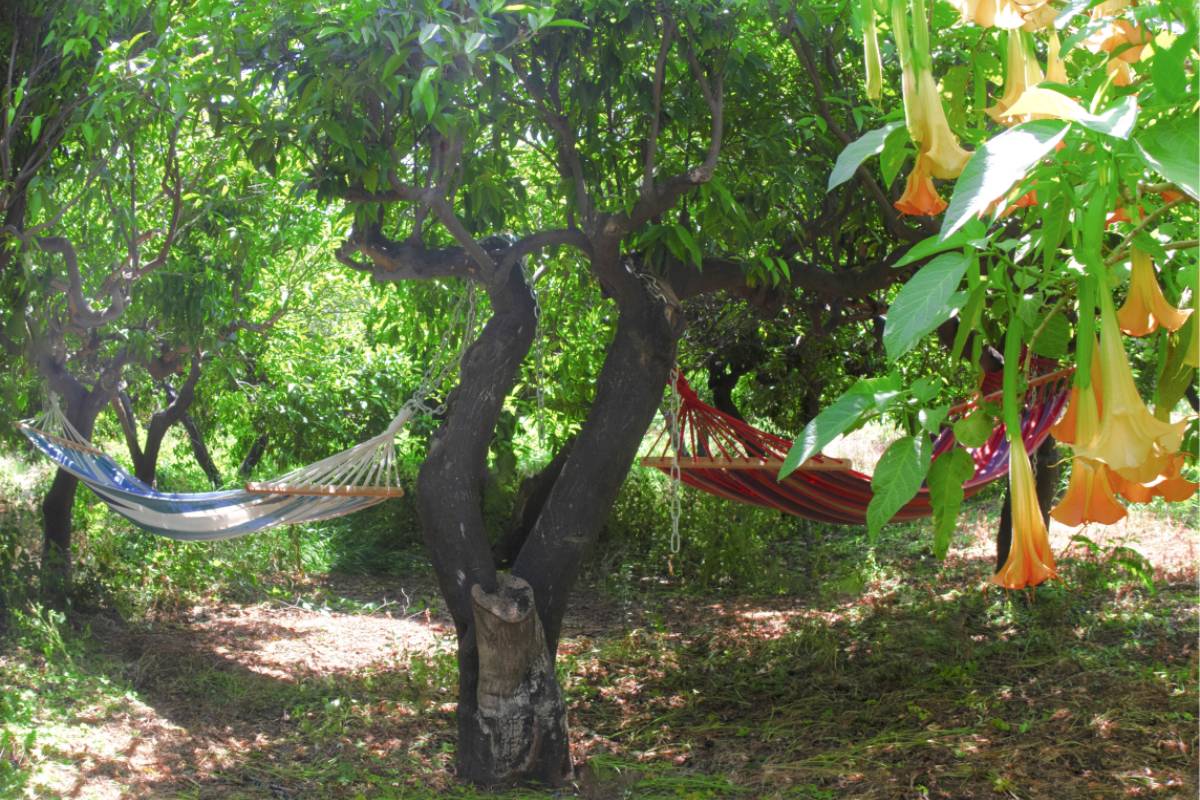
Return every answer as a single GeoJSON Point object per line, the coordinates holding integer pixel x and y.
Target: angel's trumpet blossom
{"type": "Point", "coordinates": [1145, 308]}
{"type": "Point", "coordinates": [1172, 487]}
{"type": "Point", "coordinates": [1130, 440]}
{"type": "Point", "coordinates": [1030, 560]}
{"type": "Point", "coordinates": [1021, 71]}
{"type": "Point", "coordinates": [1089, 496]}
{"type": "Point", "coordinates": [1065, 430]}
{"type": "Point", "coordinates": [990, 13]}
{"type": "Point", "coordinates": [920, 198]}
{"type": "Point", "coordinates": [936, 140]}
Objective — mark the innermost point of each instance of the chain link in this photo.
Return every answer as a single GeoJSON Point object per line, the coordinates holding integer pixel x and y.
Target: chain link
{"type": "Point", "coordinates": [539, 373]}
{"type": "Point", "coordinates": [676, 475]}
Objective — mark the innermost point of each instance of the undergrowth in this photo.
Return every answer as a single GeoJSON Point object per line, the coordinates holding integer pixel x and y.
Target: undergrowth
{"type": "Point", "coordinates": [768, 658]}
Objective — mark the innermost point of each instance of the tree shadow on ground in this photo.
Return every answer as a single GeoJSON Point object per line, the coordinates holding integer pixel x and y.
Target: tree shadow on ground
{"type": "Point", "coordinates": [913, 687]}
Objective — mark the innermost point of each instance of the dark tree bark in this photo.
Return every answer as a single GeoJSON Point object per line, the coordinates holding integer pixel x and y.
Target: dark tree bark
{"type": "Point", "coordinates": [722, 380]}
{"type": "Point", "coordinates": [253, 456]}
{"type": "Point", "coordinates": [512, 724]}
{"type": "Point", "coordinates": [82, 408]}
{"type": "Point", "coordinates": [145, 457]}
{"type": "Point", "coordinates": [200, 450]}
{"type": "Point", "coordinates": [531, 497]}
{"type": "Point", "coordinates": [628, 392]}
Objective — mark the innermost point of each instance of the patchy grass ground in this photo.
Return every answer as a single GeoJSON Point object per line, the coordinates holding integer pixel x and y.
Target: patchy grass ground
{"type": "Point", "coordinates": [891, 676]}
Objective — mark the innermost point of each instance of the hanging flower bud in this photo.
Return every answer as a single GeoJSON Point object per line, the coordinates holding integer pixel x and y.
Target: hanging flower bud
{"type": "Point", "coordinates": [874, 65]}
{"type": "Point", "coordinates": [920, 198]}
{"type": "Point", "coordinates": [1145, 308]}
{"type": "Point", "coordinates": [1030, 560]}
{"type": "Point", "coordinates": [1021, 71]}
{"type": "Point", "coordinates": [1056, 69]}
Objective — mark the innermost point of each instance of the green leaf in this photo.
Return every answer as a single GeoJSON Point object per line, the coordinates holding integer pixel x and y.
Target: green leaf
{"type": "Point", "coordinates": [424, 91]}
{"type": "Point", "coordinates": [1168, 72]}
{"type": "Point", "coordinates": [1170, 148]}
{"type": "Point", "coordinates": [898, 477]}
{"type": "Point", "coordinates": [895, 150]}
{"type": "Point", "coordinates": [428, 31]}
{"type": "Point", "coordinates": [336, 132]}
{"type": "Point", "coordinates": [475, 40]}
{"type": "Point", "coordinates": [924, 302]}
{"type": "Point", "coordinates": [35, 128]}
{"type": "Point", "coordinates": [565, 23]}
{"type": "Point", "coordinates": [946, 477]}
{"type": "Point", "coordinates": [931, 418]}
{"type": "Point", "coordinates": [973, 430]}
{"type": "Point", "coordinates": [973, 234]}
{"type": "Point", "coordinates": [689, 241]}
{"type": "Point", "coordinates": [968, 320]}
{"type": "Point", "coordinates": [822, 429]}
{"type": "Point", "coordinates": [996, 166]}
{"type": "Point", "coordinates": [1117, 120]}
{"type": "Point", "coordinates": [858, 151]}
{"type": "Point", "coordinates": [1054, 338]}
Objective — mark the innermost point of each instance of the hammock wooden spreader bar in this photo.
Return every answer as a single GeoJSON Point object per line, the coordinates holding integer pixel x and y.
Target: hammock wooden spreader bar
{"type": "Point", "coordinates": [724, 456]}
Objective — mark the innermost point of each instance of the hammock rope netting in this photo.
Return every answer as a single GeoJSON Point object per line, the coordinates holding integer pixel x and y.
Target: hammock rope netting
{"type": "Point", "coordinates": [724, 456]}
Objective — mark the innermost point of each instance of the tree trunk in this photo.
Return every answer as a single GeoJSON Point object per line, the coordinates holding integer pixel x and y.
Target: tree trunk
{"type": "Point", "coordinates": [253, 456]}
{"type": "Point", "coordinates": [628, 393]}
{"type": "Point", "coordinates": [200, 450]}
{"type": "Point", "coordinates": [722, 382]}
{"type": "Point", "coordinates": [59, 503]}
{"type": "Point", "coordinates": [495, 703]}
{"type": "Point", "coordinates": [519, 728]}
{"type": "Point", "coordinates": [528, 505]}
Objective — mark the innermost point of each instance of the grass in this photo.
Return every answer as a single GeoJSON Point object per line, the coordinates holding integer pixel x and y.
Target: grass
{"type": "Point", "coordinates": [883, 674]}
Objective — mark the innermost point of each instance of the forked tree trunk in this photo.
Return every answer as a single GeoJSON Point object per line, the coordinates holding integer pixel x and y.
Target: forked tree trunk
{"type": "Point", "coordinates": [504, 690]}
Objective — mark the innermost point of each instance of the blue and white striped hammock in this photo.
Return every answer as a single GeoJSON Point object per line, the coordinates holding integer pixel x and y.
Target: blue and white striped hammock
{"type": "Point", "coordinates": [363, 476]}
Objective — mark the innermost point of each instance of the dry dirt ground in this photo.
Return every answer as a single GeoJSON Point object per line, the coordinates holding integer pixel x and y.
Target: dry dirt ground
{"type": "Point", "coordinates": [316, 698]}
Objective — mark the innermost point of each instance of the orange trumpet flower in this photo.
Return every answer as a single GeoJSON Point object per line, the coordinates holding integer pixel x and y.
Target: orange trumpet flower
{"type": "Point", "coordinates": [1145, 309]}
{"type": "Point", "coordinates": [1089, 496]}
{"type": "Point", "coordinates": [920, 198]}
{"type": "Point", "coordinates": [1130, 440]}
{"type": "Point", "coordinates": [1172, 487]}
{"type": "Point", "coordinates": [1065, 429]}
{"type": "Point", "coordinates": [1030, 560]}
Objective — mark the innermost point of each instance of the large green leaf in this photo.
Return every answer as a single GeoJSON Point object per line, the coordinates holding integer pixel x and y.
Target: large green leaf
{"type": "Point", "coordinates": [924, 302]}
{"type": "Point", "coordinates": [1170, 149]}
{"type": "Point", "coordinates": [822, 429]}
{"type": "Point", "coordinates": [858, 151]}
{"type": "Point", "coordinates": [898, 477]}
{"type": "Point", "coordinates": [946, 477]}
{"type": "Point", "coordinates": [1054, 337]}
{"type": "Point", "coordinates": [973, 234]}
{"type": "Point", "coordinates": [996, 166]}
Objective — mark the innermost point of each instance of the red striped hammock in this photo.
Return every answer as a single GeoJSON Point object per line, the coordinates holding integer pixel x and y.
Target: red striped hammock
{"type": "Point", "coordinates": [724, 456]}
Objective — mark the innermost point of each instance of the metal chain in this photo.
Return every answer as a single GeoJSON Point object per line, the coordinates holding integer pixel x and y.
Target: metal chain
{"type": "Point", "coordinates": [440, 369]}
{"type": "Point", "coordinates": [655, 290]}
{"type": "Point", "coordinates": [676, 475]}
{"type": "Point", "coordinates": [539, 373]}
